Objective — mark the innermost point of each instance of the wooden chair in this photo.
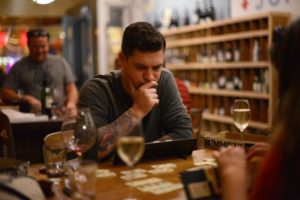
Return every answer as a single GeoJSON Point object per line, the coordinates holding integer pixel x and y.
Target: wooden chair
{"type": "Point", "coordinates": [7, 145]}
{"type": "Point", "coordinates": [68, 125]}
{"type": "Point", "coordinates": [59, 139]}
{"type": "Point", "coordinates": [196, 115]}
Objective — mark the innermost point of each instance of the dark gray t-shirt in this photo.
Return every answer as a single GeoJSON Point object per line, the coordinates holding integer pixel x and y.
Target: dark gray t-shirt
{"type": "Point", "coordinates": [169, 116]}
{"type": "Point", "coordinates": [28, 76]}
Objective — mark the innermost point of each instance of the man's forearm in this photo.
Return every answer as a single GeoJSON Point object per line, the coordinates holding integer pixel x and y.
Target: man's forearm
{"type": "Point", "coordinates": [72, 94]}
{"type": "Point", "coordinates": [9, 95]}
{"type": "Point", "coordinates": [109, 134]}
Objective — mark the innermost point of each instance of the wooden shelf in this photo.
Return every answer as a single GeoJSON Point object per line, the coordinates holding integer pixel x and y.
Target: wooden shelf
{"type": "Point", "coordinates": [224, 22]}
{"type": "Point", "coordinates": [216, 39]}
{"type": "Point", "coordinates": [194, 52]}
{"type": "Point", "coordinates": [228, 120]}
{"type": "Point", "coordinates": [224, 65]}
{"type": "Point", "coordinates": [228, 93]}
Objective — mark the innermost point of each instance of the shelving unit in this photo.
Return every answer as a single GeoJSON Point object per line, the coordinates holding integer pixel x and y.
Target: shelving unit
{"type": "Point", "coordinates": [224, 60]}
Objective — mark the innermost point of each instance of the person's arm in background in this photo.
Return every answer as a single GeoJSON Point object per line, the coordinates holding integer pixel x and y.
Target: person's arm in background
{"type": "Point", "coordinates": [9, 96]}
{"type": "Point", "coordinates": [232, 171]}
{"type": "Point", "coordinates": [71, 99]}
{"type": "Point", "coordinates": [184, 93]}
{"type": "Point", "coordinates": [70, 89]}
{"type": "Point", "coordinates": [11, 84]}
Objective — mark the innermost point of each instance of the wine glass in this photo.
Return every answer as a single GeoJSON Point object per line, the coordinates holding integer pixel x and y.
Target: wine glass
{"type": "Point", "coordinates": [79, 140]}
{"type": "Point", "coordinates": [241, 115]}
{"type": "Point", "coordinates": [79, 135]}
{"type": "Point", "coordinates": [84, 132]}
{"type": "Point", "coordinates": [130, 149]}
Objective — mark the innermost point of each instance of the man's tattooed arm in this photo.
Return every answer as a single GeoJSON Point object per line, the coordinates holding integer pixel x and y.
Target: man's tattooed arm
{"type": "Point", "coordinates": [109, 134]}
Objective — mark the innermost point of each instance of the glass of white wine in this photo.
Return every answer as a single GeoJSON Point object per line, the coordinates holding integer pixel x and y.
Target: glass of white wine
{"type": "Point", "coordinates": [130, 149]}
{"type": "Point", "coordinates": [241, 115]}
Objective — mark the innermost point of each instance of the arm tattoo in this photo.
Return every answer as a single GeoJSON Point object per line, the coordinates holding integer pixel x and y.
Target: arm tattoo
{"type": "Point", "coordinates": [109, 134]}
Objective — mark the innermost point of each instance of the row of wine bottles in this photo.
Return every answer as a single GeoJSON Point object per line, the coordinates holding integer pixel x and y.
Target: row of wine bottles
{"type": "Point", "coordinates": [227, 52]}
{"type": "Point", "coordinates": [238, 79]}
{"type": "Point", "coordinates": [204, 13]}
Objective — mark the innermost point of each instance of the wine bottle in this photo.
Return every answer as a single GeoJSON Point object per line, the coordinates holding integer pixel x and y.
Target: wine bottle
{"type": "Point", "coordinates": [203, 15]}
{"type": "Point", "coordinates": [255, 51]}
{"type": "Point", "coordinates": [46, 99]}
{"type": "Point", "coordinates": [229, 84]}
{"type": "Point", "coordinates": [222, 81]}
{"type": "Point", "coordinates": [256, 84]}
{"type": "Point", "coordinates": [174, 19]}
{"type": "Point", "coordinates": [198, 12]}
{"type": "Point", "coordinates": [186, 17]}
{"type": "Point", "coordinates": [157, 22]}
{"type": "Point", "coordinates": [228, 52]}
{"type": "Point", "coordinates": [210, 12]}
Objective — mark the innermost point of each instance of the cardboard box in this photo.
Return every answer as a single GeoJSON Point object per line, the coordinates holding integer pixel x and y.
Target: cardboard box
{"type": "Point", "coordinates": [226, 138]}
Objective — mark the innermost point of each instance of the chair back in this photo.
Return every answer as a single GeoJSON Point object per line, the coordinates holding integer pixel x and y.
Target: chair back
{"type": "Point", "coordinates": [196, 115]}
{"type": "Point", "coordinates": [59, 139]}
{"type": "Point", "coordinates": [7, 145]}
{"type": "Point", "coordinates": [68, 125]}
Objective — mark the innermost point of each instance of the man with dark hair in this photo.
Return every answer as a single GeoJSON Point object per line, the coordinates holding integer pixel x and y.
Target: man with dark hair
{"type": "Point", "coordinates": [29, 74]}
{"type": "Point", "coordinates": [141, 92]}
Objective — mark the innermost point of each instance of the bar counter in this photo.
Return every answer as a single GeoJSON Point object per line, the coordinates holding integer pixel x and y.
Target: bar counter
{"type": "Point", "coordinates": [28, 138]}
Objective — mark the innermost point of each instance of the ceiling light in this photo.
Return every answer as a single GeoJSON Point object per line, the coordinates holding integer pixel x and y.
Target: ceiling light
{"type": "Point", "coordinates": [43, 1]}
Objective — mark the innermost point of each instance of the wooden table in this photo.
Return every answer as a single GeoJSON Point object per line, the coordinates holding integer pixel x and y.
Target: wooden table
{"type": "Point", "coordinates": [28, 138]}
{"type": "Point", "coordinates": [115, 188]}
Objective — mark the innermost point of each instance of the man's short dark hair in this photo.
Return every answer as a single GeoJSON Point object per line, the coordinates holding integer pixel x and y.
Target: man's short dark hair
{"type": "Point", "coordinates": [37, 32]}
{"type": "Point", "coordinates": [143, 37]}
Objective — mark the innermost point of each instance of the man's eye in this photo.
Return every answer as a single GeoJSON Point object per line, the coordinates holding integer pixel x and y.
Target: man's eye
{"type": "Point", "coordinates": [140, 67]}
{"type": "Point", "coordinates": [156, 68]}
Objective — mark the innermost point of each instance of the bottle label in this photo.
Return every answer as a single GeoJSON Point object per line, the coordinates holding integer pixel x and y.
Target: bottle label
{"type": "Point", "coordinates": [49, 101]}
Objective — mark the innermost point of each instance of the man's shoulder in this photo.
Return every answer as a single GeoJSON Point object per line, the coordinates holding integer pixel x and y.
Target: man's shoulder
{"type": "Point", "coordinates": [55, 58]}
{"type": "Point", "coordinates": [106, 79]}
{"type": "Point", "coordinates": [22, 60]}
{"type": "Point", "coordinates": [111, 77]}
{"type": "Point", "coordinates": [166, 72]}
{"type": "Point", "coordinates": [21, 63]}
{"type": "Point", "coordinates": [166, 75]}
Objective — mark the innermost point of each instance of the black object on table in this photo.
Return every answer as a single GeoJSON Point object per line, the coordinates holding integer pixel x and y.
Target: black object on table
{"type": "Point", "coordinates": [28, 137]}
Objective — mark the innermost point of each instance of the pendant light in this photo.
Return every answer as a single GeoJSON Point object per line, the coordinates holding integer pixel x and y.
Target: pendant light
{"type": "Point", "coordinates": [43, 1]}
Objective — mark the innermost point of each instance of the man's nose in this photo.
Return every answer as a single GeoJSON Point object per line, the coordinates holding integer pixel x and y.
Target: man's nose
{"type": "Point", "coordinates": [40, 49]}
{"type": "Point", "coordinates": [149, 75]}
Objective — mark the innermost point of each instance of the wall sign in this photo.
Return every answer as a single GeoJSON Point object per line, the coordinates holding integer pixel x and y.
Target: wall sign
{"type": "Point", "coordinates": [248, 7]}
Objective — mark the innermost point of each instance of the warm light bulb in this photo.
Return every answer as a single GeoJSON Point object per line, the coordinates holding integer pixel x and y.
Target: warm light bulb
{"type": "Point", "coordinates": [43, 1]}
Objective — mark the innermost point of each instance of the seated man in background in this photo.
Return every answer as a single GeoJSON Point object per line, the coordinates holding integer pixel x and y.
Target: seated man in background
{"type": "Point", "coordinates": [141, 92]}
{"type": "Point", "coordinates": [185, 95]}
{"type": "Point", "coordinates": [25, 81]}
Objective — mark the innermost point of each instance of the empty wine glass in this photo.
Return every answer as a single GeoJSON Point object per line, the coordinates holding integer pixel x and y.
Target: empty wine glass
{"type": "Point", "coordinates": [130, 149]}
{"type": "Point", "coordinates": [84, 132]}
{"type": "Point", "coordinates": [241, 115]}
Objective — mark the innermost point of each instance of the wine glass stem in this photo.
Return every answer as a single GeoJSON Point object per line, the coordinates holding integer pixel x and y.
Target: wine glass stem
{"type": "Point", "coordinates": [130, 195]}
{"type": "Point", "coordinates": [243, 139]}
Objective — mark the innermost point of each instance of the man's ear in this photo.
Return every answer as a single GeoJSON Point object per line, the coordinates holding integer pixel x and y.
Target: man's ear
{"type": "Point", "coordinates": [122, 58]}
